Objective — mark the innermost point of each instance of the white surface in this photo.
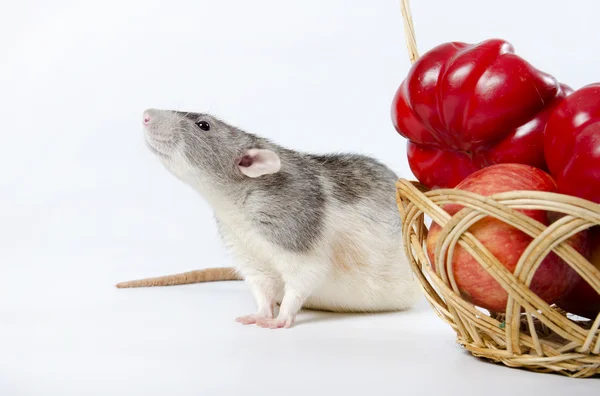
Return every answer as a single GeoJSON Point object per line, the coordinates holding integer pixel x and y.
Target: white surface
{"type": "Point", "coordinates": [83, 205]}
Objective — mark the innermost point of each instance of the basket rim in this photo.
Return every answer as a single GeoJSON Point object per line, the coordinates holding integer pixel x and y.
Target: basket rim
{"type": "Point", "coordinates": [475, 330]}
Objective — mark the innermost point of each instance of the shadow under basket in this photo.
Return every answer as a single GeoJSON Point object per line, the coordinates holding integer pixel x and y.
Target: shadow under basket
{"type": "Point", "coordinates": [530, 334]}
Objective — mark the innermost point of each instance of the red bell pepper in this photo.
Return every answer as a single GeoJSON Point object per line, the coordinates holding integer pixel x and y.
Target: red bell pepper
{"type": "Point", "coordinates": [463, 107]}
{"type": "Point", "coordinates": [572, 144]}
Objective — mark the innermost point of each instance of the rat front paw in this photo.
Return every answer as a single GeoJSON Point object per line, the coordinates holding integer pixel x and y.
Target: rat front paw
{"type": "Point", "coordinates": [275, 323]}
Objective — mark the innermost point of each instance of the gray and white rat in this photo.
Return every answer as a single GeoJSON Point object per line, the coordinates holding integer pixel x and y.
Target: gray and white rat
{"type": "Point", "coordinates": [315, 231]}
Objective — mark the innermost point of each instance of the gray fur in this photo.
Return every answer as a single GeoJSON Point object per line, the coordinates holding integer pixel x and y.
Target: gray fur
{"type": "Point", "coordinates": [287, 207]}
{"type": "Point", "coordinates": [355, 177]}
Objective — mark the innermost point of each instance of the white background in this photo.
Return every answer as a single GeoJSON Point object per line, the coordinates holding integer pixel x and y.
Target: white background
{"type": "Point", "coordinates": [84, 205]}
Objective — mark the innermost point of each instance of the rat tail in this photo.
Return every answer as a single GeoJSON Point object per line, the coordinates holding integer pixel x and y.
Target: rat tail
{"type": "Point", "coordinates": [204, 275]}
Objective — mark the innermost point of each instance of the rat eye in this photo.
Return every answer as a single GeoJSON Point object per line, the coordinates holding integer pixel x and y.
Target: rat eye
{"type": "Point", "coordinates": [205, 126]}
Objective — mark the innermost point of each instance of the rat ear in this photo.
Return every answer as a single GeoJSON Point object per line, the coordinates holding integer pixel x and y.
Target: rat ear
{"type": "Point", "coordinates": [258, 162]}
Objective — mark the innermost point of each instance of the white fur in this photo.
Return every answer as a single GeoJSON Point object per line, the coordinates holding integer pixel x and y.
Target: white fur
{"type": "Point", "coordinates": [374, 276]}
{"type": "Point", "coordinates": [382, 282]}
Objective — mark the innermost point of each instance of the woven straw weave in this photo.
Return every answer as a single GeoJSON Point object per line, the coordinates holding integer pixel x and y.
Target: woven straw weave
{"type": "Point", "coordinates": [530, 334]}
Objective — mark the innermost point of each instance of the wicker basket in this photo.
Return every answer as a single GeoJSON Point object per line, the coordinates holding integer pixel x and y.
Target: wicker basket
{"type": "Point", "coordinates": [531, 334]}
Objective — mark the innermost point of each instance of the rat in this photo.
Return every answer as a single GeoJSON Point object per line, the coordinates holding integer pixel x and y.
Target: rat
{"type": "Point", "coordinates": [314, 231]}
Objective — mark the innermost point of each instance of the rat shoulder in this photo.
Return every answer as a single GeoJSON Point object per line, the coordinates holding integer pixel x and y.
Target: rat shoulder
{"type": "Point", "coordinates": [354, 162]}
{"type": "Point", "coordinates": [355, 176]}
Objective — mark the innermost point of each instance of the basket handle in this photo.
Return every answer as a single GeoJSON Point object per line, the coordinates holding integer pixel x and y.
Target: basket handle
{"type": "Point", "coordinates": [409, 31]}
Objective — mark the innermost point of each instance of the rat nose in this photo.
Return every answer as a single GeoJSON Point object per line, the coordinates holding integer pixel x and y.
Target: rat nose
{"type": "Point", "coordinates": [146, 118]}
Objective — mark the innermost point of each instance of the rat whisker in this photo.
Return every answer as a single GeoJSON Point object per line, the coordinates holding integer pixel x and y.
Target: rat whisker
{"type": "Point", "coordinates": [204, 146]}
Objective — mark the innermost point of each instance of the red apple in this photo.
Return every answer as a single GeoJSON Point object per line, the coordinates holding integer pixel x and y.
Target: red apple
{"type": "Point", "coordinates": [553, 278]}
{"type": "Point", "coordinates": [583, 300]}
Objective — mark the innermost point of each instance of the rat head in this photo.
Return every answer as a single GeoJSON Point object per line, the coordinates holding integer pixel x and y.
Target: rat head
{"type": "Point", "coordinates": [200, 148]}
